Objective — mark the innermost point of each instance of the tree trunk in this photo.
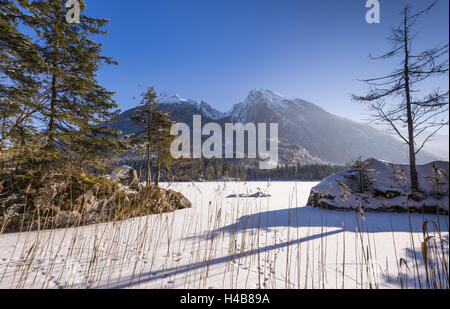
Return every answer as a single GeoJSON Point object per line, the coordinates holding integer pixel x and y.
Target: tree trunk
{"type": "Point", "coordinates": [52, 114]}
{"type": "Point", "coordinates": [361, 182]}
{"type": "Point", "coordinates": [148, 137]}
{"type": "Point", "coordinates": [149, 170]}
{"type": "Point", "coordinates": [140, 166]}
{"type": "Point", "coordinates": [412, 151]}
{"type": "Point", "coordinates": [158, 174]}
{"type": "Point", "coordinates": [51, 124]}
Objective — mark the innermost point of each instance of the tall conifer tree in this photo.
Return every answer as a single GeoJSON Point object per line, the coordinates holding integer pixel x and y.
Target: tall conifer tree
{"type": "Point", "coordinates": [18, 60]}
{"type": "Point", "coordinates": [19, 64]}
{"type": "Point", "coordinates": [154, 135]}
{"type": "Point", "coordinates": [75, 106]}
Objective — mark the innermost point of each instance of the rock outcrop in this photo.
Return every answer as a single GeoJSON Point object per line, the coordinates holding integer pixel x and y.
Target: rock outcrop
{"type": "Point", "coordinates": [69, 201]}
{"type": "Point", "coordinates": [388, 189]}
{"type": "Point", "coordinates": [126, 176]}
{"type": "Point", "coordinates": [178, 200]}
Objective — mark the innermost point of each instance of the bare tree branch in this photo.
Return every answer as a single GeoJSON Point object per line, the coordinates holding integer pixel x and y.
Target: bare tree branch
{"type": "Point", "coordinates": [429, 137]}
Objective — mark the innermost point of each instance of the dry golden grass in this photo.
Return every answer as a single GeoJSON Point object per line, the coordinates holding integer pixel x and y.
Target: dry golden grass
{"type": "Point", "coordinates": [184, 251]}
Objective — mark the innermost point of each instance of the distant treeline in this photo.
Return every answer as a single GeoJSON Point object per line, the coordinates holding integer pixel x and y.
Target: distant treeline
{"type": "Point", "coordinates": [309, 172]}
{"type": "Point", "coordinates": [219, 169]}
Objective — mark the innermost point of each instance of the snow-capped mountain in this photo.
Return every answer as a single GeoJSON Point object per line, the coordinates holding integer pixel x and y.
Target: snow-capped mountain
{"type": "Point", "coordinates": [328, 137]}
{"type": "Point", "coordinates": [256, 97]}
{"type": "Point", "coordinates": [180, 109]}
{"type": "Point", "coordinates": [176, 102]}
{"type": "Point", "coordinates": [306, 131]}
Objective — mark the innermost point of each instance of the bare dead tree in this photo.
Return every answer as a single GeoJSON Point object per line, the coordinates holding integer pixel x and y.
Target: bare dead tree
{"type": "Point", "coordinates": [394, 99]}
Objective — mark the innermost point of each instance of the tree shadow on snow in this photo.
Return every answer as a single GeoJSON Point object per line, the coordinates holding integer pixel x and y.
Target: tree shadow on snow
{"type": "Point", "coordinates": [187, 268]}
{"type": "Point", "coordinates": [296, 218]}
{"type": "Point", "coordinates": [345, 220]}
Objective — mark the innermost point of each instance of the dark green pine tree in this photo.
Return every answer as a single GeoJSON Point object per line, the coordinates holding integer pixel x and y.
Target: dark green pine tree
{"type": "Point", "coordinates": [75, 107]}
{"type": "Point", "coordinates": [19, 62]}
{"type": "Point", "coordinates": [154, 136]}
{"type": "Point", "coordinates": [161, 140]}
{"type": "Point", "coordinates": [363, 174]}
{"type": "Point", "coordinates": [144, 119]}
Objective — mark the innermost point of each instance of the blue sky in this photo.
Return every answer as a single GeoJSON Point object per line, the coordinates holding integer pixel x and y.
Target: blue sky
{"type": "Point", "coordinates": [218, 50]}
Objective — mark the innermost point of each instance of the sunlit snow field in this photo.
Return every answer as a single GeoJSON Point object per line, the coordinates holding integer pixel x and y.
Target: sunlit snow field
{"type": "Point", "coordinates": [226, 242]}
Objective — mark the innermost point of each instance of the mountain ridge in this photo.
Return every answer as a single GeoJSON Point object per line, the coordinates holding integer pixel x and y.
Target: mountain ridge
{"type": "Point", "coordinates": [307, 132]}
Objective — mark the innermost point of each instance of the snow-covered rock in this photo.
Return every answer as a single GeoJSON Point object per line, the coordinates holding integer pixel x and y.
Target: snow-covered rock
{"type": "Point", "coordinates": [229, 179]}
{"type": "Point", "coordinates": [388, 189]}
{"type": "Point", "coordinates": [127, 176]}
{"type": "Point", "coordinates": [254, 195]}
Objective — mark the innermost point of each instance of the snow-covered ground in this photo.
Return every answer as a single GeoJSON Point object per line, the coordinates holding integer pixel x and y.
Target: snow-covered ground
{"type": "Point", "coordinates": [269, 242]}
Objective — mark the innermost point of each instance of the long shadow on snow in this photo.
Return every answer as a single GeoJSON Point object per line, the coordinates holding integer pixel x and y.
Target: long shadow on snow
{"type": "Point", "coordinates": [166, 273]}
{"type": "Point", "coordinates": [298, 217]}
{"type": "Point", "coordinates": [347, 221]}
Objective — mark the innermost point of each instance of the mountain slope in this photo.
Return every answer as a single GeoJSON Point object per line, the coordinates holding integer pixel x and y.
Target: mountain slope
{"type": "Point", "coordinates": [323, 135]}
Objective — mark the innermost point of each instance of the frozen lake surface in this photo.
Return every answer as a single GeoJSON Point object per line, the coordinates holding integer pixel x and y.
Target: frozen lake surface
{"type": "Point", "coordinates": [233, 242]}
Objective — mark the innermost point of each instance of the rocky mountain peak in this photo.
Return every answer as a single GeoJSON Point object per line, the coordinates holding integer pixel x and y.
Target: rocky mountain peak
{"type": "Point", "coordinates": [263, 96]}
